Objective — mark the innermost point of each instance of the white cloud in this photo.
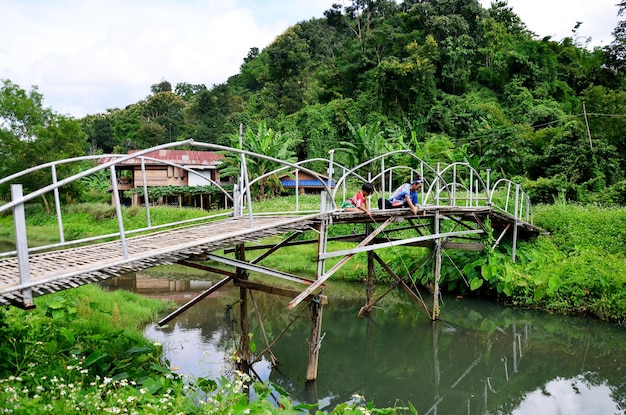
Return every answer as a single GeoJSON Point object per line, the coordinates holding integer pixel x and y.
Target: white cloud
{"type": "Point", "coordinates": [90, 55]}
{"type": "Point", "coordinates": [568, 396]}
{"type": "Point", "coordinates": [87, 56]}
{"type": "Point", "coordinates": [557, 18]}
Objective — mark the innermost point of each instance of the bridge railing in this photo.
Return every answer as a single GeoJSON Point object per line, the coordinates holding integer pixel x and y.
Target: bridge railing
{"type": "Point", "coordinates": [508, 196]}
{"type": "Point", "coordinates": [110, 162]}
{"type": "Point", "coordinates": [456, 184]}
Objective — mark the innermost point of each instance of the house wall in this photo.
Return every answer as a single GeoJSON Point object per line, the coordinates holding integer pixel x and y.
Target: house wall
{"type": "Point", "coordinates": [195, 180]}
{"type": "Point", "coordinates": [161, 176]}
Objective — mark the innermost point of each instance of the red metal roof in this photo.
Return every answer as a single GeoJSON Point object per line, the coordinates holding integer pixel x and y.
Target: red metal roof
{"type": "Point", "coordinates": [183, 157]}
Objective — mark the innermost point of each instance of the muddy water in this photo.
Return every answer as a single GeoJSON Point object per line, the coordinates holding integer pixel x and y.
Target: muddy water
{"type": "Point", "coordinates": [480, 358]}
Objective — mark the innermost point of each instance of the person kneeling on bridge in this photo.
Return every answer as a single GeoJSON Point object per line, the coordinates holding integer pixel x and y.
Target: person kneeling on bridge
{"type": "Point", "coordinates": [404, 196]}
{"type": "Point", "coordinates": [359, 201]}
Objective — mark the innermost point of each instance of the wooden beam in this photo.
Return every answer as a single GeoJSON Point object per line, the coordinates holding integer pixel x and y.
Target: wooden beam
{"type": "Point", "coordinates": [285, 292]}
{"type": "Point", "coordinates": [275, 248]}
{"type": "Point", "coordinates": [338, 265]}
{"type": "Point", "coordinates": [403, 285]}
{"type": "Point", "coordinates": [257, 268]}
{"type": "Point", "coordinates": [344, 238]}
{"type": "Point", "coordinates": [206, 268]}
{"type": "Point", "coordinates": [466, 246]}
{"type": "Point", "coordinates": [262, 326]}
{"type": "Point", "coordinates": [362, 248]}
{"type": "Point", "coordinates": [293, 320]}
{"type": "Point", "coordinates": [193, 301]}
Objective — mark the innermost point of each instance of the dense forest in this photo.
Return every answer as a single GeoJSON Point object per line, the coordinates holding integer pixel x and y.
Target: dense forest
{"type": "Point", "coordinates": [448, 79]}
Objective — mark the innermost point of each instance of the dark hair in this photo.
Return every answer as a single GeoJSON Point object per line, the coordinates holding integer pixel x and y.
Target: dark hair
{"type": "Point", "coordinates": [367, 187]}
{"type": "Point", "coordinates": [418, 180]}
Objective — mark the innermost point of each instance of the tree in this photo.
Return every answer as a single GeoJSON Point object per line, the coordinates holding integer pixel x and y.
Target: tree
{"type": "Point", "coordinates": [368, 141]}
{"type": "Point", "coordinates": [99, 133]}
{"type": "Point", "coordinates": [616, 52]}
{"type": "Point", "coordinates": [187, 91]}
{"type": "Point", "coordinates": [31, 135]}
{"type": "Point", "coordinates": [163, 86]}
{"type": "Point", "coordinates": [263, 141]}
{"type": "Point", "coordinates": [213, 114]}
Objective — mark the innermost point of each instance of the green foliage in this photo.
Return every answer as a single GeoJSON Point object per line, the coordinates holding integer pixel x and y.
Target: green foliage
{"type": "Point", "coordinates": [579, 268]}
{"type": "Point", "coordinates": [263, 141]}
{"type": "Point", "coordinates": [31, 135]}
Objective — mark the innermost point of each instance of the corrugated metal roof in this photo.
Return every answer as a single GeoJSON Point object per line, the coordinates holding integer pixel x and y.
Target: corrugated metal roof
{"type": "Point", "coordinates": [183, 157]}
{"type": "Point", "coordinates": [303, 183]}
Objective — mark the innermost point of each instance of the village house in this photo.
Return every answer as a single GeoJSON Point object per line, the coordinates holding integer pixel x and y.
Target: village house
{"type": "Point", "coordinates": [162, 169]}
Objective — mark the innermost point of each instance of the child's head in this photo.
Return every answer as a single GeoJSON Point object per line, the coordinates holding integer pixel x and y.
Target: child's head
{"type": "Point", "coordinates": [367, 188]}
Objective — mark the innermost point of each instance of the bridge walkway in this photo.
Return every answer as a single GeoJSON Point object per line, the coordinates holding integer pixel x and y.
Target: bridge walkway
{"type": "Point", "coordinates": [54, 271]}
{"type": "Point", "coordinates": [57, 270]}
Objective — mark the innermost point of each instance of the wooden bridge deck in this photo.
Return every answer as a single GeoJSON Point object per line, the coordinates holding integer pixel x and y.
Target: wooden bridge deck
{"type": "Point", "coordinates": [58, 270]}
{"type": "Point", "coordinates": [69, 268]}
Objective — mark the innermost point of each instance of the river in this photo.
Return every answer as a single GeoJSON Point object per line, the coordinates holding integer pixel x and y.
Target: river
{"type": "Point", "coordinates": [479, 358]}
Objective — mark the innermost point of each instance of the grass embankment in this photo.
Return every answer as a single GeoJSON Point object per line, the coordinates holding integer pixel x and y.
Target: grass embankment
{"type": "Point", "coordinates": [579, 268]}
{"type": "Point", "coordinates": [82, 351]}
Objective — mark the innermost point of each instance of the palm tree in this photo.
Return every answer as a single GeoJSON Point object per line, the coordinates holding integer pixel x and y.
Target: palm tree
{"type": "Point", "coordinates": [263, 141]}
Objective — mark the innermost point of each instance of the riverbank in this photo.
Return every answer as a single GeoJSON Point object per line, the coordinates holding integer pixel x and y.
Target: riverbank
{"type": "Point", "coordinates": [83, 352]}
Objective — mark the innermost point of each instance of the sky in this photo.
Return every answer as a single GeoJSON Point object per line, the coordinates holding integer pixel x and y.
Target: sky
{"type": "Point", "coordinates": [88, 56]}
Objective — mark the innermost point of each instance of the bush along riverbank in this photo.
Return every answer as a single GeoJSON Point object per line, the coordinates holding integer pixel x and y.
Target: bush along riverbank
{"type": "Point", "coordinates": [578, 268]}
{"type": "Point", "coordinates": [82, 352]}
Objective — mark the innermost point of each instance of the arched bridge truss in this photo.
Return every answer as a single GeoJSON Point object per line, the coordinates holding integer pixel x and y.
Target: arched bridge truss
{"type": "Point", "coordinates": [458, 206]}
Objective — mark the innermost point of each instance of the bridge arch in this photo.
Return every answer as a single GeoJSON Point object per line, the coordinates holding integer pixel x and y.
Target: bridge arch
{"type": "Point", "coordinates": [22, 274]}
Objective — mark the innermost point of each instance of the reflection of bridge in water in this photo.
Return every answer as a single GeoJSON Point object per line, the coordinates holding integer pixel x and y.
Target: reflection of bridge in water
{"type": "Point", "coordinates": [463, 363]}
{"type": "Point", "coordinates": [459, 208]}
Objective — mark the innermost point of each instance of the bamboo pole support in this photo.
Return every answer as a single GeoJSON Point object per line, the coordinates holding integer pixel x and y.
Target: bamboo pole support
{"type": "Point", "coordinates": [371, 270]}
{"type": "Point", "coordinates": [262, 326]}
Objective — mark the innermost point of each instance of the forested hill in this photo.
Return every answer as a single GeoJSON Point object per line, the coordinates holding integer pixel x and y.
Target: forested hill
{"type": "Point", "coordinates": [448, 79]}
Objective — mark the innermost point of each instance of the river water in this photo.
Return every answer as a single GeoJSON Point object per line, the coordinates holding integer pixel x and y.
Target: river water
{"type": "Point", "coordinates": [480, 358]}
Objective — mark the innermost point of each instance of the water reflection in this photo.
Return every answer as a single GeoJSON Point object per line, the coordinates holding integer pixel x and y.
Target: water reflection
{"type": "Point", "coordinates": [481, 358]}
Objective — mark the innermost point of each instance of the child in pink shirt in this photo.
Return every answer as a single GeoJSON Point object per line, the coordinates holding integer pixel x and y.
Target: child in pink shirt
{"type": "Point", "coordinates": [358, 203]}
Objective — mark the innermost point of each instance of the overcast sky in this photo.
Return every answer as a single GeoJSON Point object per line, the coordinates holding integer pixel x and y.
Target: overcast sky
{"type": "Point", "coordinates": [87, 56]}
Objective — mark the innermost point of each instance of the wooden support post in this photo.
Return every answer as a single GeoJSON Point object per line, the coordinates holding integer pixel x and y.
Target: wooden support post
{"type": "Point", "coordinates": [371, 270]}
{"type": "Point", "coordinates": [315, 342]}
{"type": "Point", "coordinates": [244, 345]}
{"type": "Point", "coordinates": [321, 248]}
{"type": "Point", "coordinates": [317, 306]}
{"type": "Point", "coordinates": [435, 315]}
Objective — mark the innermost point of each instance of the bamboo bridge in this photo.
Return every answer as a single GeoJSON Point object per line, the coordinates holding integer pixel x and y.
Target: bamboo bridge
{"type": "Point", "coordinates": [459, 209]}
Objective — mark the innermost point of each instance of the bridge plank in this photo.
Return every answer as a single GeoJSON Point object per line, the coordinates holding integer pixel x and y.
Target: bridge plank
{"type": "Point", "coordinates": [57, 270]}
